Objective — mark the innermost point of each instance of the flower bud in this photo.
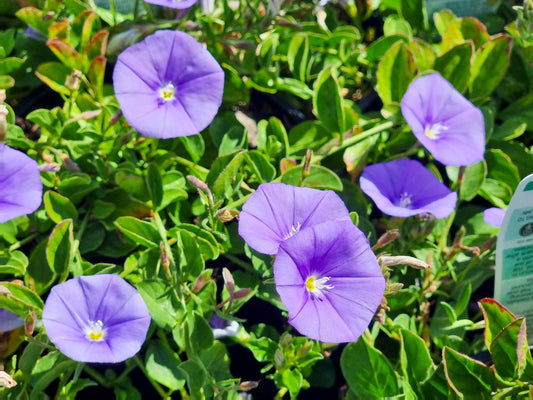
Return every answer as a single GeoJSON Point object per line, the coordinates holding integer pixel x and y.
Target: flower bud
{"type": "Point", "coordinates": [73, 80]}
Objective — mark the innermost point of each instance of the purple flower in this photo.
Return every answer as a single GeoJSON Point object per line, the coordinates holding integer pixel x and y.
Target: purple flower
{"type": "Point", "coordinates": [9, 320]}
{"type": "Point", "coordinates": [276, 211]}
{"type": "Point", "coordinates": [168, 85]}
{"type": "Point", "coordinates": [445, 122]}
{"type": "Point", "coordinates": [97, 318]}
{"type": "Point", "coordinates": [179, 4]}
{"type": "Point", "coordinates": [223, 327]}
{"type": "Point", "coordinates": [20, 181]}
{"type": "Point", "coordinates": [402, 188]}
{"type": "Point", "coordinates": [329, 280]}
{"type": "Point", "coordinates": [494, 216]}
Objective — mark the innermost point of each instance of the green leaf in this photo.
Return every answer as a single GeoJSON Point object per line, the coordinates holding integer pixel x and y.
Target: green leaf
{"type": "Point", "coordinates": [415, 359]}
{"type": "Point", "coordinates": [206, 241]}
{"type": "Point", "coordinates": [395, 25]}
{"type": "Point", "coordinates": [10, 64]}
{"type": "Point", "coordinates": [21, 299]}
{"type": "Point", "coordinates": [509, 349]}
{"type": "Point", "coordinates": [13, 263]}
{"type": "Point", "coordinates": [497, 317]}
{"type": "Point", "coordinates": [509, 129]}
{"type": "Point", "coordinates": [292, 379]}
{"type": "Point", "coordinates": [66, 53]}
{"type": "Point", "coordinates": [34, 18]}
{"type": "Point", "coordinates": [162, 302]}
{"type": "Point", "coordinates": [60, 249]}
{"type": "Point", "coordinates": [462, 29]}
{"type": "Point", "coordinates": [395, 72]}
{"type": "Point", "coordinates": [54, 74]}
{"type": "Point", "coordinates": [501, 168]}
{"type": "Point", "coordinates": [154, 182]}
{"type": "Point", "coordinates": [498, 193]}
{"type": "Point", "coordinates": [194, 145]}
{"type": "Point", "coordinates": [195, 375]}
{"type": "Point", "coordinates": [6, 82]}
{"type": "Point", "coordinates": [59, 207]}
{"type": "Point", "coordinates": [489, 66]}
{"type": "Point", "coordinates": [327, 101]}
{"type": "Point", "coordinates": [141, 232]}
{"type": "Point", "coordinates": [413, 12]}
{"type": "Point", "coordinates": [367, 371]}
{"type": "Point", "coordinates": [454, 64]}
{"type": "Point", "coordinates": [263, 170]}
{"type": "Point", "coordinates": [469, 378]}
{"type": "Point", "coordinates": [298, 56]}
{"type": "Point", "coordinates": [319, 178]}
{"type": "Point", "coordinates": [377, 49]}
{"type": "Point", "coordinates": [220, 178]}
{"type": "Point", "coordinates": [423, 52]}
{"type": "Point", "coordinates": [162, 365]}
{"type": "Point", "coordinates": [201, 333]}
{"type": "Point", "coordinates": [473, 178]}
{"type": "Point", "coordinates": [308, 135]}
{"type": "Point", "coordinates": [442, 19]}
{"type": "Point", "coordinates": [39, 269]}
{"type": "Point", "coordinates": [190, 259]}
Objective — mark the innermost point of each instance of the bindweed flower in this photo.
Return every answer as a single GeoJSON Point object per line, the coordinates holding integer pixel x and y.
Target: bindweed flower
{"type": "Point", "coordinates": [329, 280]}
{"type": "Point", "coordinates": [9, 320]}
{"type": "Point", "coordinates": [98, 318]}
{"type": "Point", "coordinates": [276, 211]}
{"type": "Point", "coordinates": [403, 188]}
{"type": "Point", "coordinates": [168, 85]}
{"type": "Point", "coordinates": [20, 181]}
{"type": "Point", "coordinates": [449, 126]}
{"type": "Point", "coordinates": [494, 216]}
{"type": "Point", "coordinates": [179, 4]}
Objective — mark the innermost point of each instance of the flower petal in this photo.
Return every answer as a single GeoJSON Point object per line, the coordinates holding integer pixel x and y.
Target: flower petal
{"type": "Point", "coordinates": [277, 211]}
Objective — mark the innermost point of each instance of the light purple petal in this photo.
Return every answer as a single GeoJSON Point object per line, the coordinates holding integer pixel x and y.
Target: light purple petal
{"type": "Point", "coordinates": [9, 320]}
{"type": "Point", "coordinates": [20, 181]}
{"type": "Point", "coordinates": [494, 216]}
{"type": "Point", "coordinates": [431, 102]}
{"type": "Point", "coordinates": [337, 253]}
{"type": "Point", "coordinates": [179, 4]}
{"type": "Point", "coordinates": [403, 188]}
{"type": "Point", "coordinates": [277, 211]}
{"type": "Point", "coordinates": [168, 58]}
{"type": "Point", "coordinates": [72, 306]}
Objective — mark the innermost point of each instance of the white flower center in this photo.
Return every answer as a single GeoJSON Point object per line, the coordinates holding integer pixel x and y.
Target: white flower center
{"type": "Point", "coordinates": [435, 131]}
{"type": "Point", "coordinates": [316, 287]}
{"type": "Point", "coordinates": [95, 331]}
{"type": "Point", "coordinates": [167, 92]}
{"type": "Point", "coordinates": [406, 200]}
{"type": "Point", "coordinates": [294, 230]}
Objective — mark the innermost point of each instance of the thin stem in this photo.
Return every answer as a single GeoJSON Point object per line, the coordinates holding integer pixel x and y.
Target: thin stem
{"type": "Point", "coordinates": [97, 376]}
{"type": "Point", "coordinates": [357, 138]}
{"type": "Point", "coordinates": [243, 264]}
{"type": "Point", "coordinates": [156, 385]}
{"type": "Point", "coordinates": [22, 242]}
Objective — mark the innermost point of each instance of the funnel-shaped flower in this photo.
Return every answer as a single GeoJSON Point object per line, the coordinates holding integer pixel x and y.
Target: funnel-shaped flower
{"type": "Point", "coordinates": [445, 122]}
{"type": "Point", "coordinates": [402, 188]}
{"type": "Point", "coordinates": [494, 216]}
{"type": "Point", "coordinates": [98, 318]}
{"type": "Point", "coordinates": [20, 182]}
{"type": "Point", "coordinates": [276, 211]}
{"type": "Point", "coordinates": [168, 85]}
{"type": "Point", "coordinates": [179, 4]}
{"type": "Point", "coordinates": [329, 280]}
{"type": "Point", "coordinates": [9, 320]}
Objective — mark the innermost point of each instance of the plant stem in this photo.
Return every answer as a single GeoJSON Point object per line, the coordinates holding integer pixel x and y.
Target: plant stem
{"type": "Point", "coordinates": [156, 385]}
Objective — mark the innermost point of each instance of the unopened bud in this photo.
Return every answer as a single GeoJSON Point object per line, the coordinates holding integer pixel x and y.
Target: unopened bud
{"type": "Point", "coordinates": [6, 380]}
{"type": "Point", "coordinates": [73, 80]}
{"type": "Point", "coordinates": [279, 359]}
{"type": "Point", "coordinates": [386, 238]}
{"type": "Point", "coordinates": [228, 281]}
{"type": "Point", "coordinates": [239, 294]}
{"type": "Point", "coordinates": [70, 164]}
{"type": "Point", "coordinates": [226, 215]}
{"type": "Point", "coordinates": [198, 184]}
{"type": "Point", "coordinates": [164, 256]}
{"type": "Point", "coordinates": [50, 167]}
{"type": "Point", "coordinates": [307, 163]}
{"type": "Point", "coordinates": [3, 121]}
{"type": "Point", "coordinates": [30, 323]}
{"type": "Point", "coordinates": [387, 261]}
{"type": "Point", "coordinates": [115, 117]}
{"type": "Point", "coordinates": [200, 282]}
{"type": "Point", "coordinates": [248, 385]}
{"type": "Point", "coordinates": [285, 340]}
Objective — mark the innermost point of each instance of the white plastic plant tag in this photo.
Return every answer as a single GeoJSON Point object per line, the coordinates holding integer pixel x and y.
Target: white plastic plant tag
{"type": "Point", "coordinates": [513, 286]}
